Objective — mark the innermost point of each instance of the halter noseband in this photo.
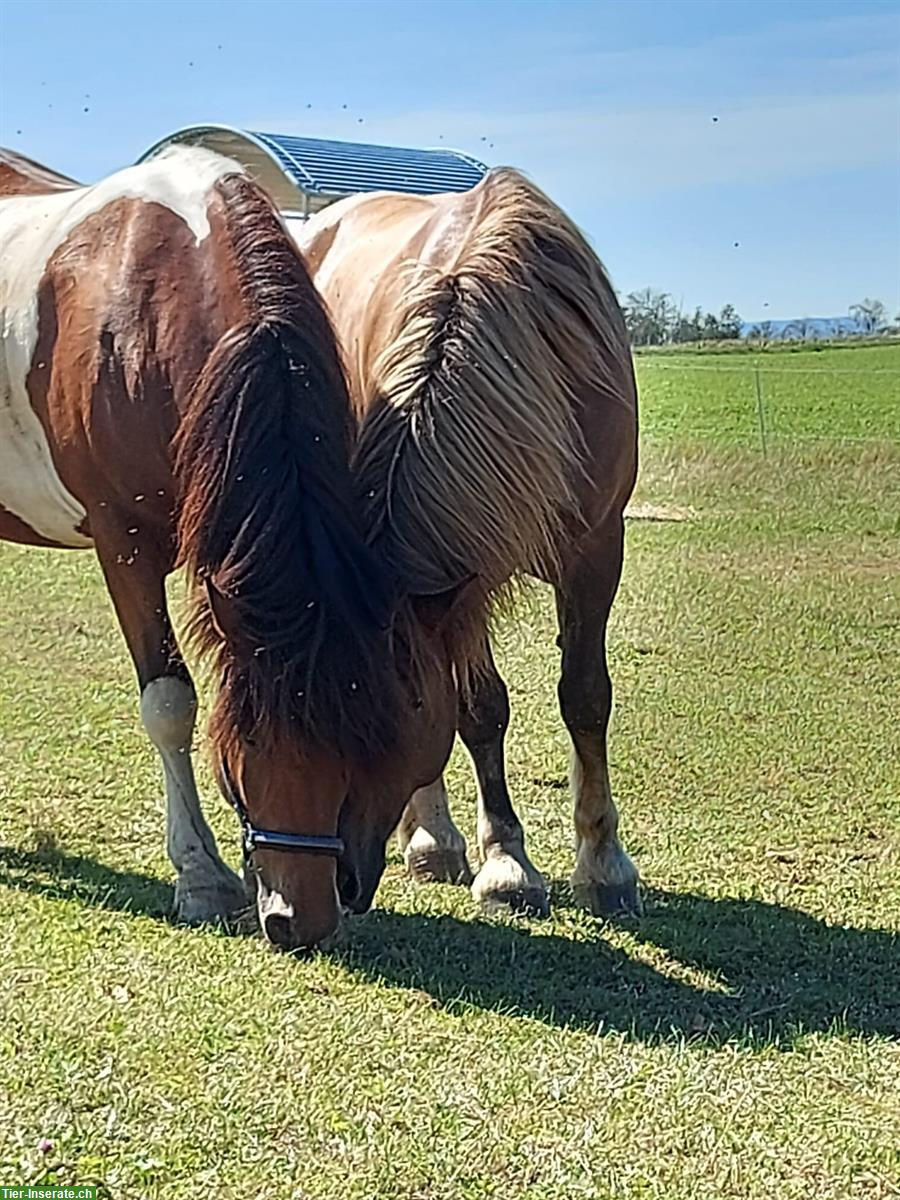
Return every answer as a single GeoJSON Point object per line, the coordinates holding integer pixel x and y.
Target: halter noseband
{"type": "Point", "coordinates": [254, 838]}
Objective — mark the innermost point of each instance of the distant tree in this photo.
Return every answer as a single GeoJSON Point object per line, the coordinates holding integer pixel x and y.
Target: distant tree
{"type": "Point", "coordinates": [688, 328]}
{"type": "Point", "coordinates": [710, 331]}
{"type": "Point", "coordinates": [799, 330]}
{"type": "Point", "coordinates": [650, 316]}
{"type": "Point", "coordinates": [729, 323]}
{"type": "Point", "coordinates": [869, 315]}
{"type": "Point", "coordinates": [762, 332]}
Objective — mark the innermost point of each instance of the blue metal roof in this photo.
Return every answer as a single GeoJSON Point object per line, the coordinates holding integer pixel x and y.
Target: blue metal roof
{"type": "Point", "coordinates": [303, 174]}
{"type": "Point", "coordinates": [328, 168]}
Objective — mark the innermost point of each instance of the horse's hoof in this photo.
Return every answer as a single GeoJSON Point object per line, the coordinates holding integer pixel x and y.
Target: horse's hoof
{"type": "Point", "coordinates": [610, 899]}
{"type": "Point", "coordinates": [210, 903]}
{"type": "Point", "coordinates": [522, 902]}
{"type": "Point", "coordinates": [427, 861]}
{"type": "Point", "coordinates": [505, 885]}
{"type": "Point", "coordinates": [440, 865]}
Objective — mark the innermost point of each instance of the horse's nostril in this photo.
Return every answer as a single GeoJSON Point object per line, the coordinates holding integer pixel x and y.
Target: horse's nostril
{"type": "Point", "coordinates": [278, 931]}
{"type": "Point", "coordinates": [348, 885]}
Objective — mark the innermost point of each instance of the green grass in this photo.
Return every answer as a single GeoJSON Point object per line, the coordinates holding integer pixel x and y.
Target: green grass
{"type": "Point", "coordinates": [740, 1040]}
{"type": "Point", "coordinates": [807, 395]}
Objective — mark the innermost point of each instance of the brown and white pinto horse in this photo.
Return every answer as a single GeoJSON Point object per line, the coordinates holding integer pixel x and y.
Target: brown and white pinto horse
{"type": "Point", "coordinates": [489, 367]}
{"type": "Point", "coordinates": [170, 389]}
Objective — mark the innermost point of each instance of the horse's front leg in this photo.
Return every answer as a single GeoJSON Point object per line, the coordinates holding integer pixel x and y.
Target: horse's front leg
{"type": "Point", "coordinates": [206, 889]}
{"type": "Point", "coordinates": [507, 877]}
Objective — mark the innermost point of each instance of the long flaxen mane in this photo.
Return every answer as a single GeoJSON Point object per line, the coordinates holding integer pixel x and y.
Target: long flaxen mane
{"type": "Point", "coordinates": [290, 600]}
{"type": "Point", "coordinates": [470, 450]}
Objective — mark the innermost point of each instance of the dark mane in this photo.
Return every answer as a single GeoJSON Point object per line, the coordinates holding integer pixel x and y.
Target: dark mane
{"type": "Point", "coordinates": [295, 607]}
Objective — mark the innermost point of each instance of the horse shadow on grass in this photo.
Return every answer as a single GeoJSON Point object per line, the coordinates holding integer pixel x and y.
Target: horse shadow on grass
{"type": "Point", "coordinates": [712, 970]}
{"type": "Point", "coordinates": [728, 969]}
{"type": "Point", "coordinates": [59, 876]}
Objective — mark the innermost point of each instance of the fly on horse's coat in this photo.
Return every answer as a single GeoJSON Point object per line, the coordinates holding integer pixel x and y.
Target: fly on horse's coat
{"type": "Point", "coordinates": [172, 393]}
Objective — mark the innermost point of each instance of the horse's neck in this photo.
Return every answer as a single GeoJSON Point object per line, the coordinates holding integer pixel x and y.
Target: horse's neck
{"type": "Point", "coordinates": [20, 176]}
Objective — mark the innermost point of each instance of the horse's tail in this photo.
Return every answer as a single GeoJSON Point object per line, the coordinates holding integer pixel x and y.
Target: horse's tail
{"type": "Point", "coordinates": [266, 510]}
{"type": "Point", "coordinates": [470, 454]}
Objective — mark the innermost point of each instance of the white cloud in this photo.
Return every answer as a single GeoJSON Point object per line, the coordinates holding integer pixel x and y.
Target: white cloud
{"type": "Point", "coordinates": [580, 153]}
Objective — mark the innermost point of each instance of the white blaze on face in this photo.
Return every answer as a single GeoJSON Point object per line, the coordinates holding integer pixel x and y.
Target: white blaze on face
{"type": "Point", "coordinates": [32, 228]}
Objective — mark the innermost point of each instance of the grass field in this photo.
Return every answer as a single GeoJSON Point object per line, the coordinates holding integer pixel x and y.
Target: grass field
{"type": "Point", "coordinates": [806, 395]}
{"type": "Point", "coordinates": [742, 1039]}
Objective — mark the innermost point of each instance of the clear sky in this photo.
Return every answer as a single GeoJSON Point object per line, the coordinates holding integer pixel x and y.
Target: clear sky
{"type": "Point", "coordinates": [670, 129]}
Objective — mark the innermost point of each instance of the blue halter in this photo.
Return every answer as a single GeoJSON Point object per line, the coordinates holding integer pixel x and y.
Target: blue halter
{"type": "Point", "coordinates": [254, 838]}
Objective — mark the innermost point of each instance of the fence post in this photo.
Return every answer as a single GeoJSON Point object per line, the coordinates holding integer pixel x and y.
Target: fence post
{"type": "Point", "coordinates": [760, 410]}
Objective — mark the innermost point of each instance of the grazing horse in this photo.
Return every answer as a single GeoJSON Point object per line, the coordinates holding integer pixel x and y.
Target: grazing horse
{"type": "Point", "coordinates": [490, 372]}
{"type": "Point", "coordinates": [171, 392]}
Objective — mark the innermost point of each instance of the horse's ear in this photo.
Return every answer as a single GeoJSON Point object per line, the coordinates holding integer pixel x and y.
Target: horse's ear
{"type": "Point", "coordinates": [435, 609]}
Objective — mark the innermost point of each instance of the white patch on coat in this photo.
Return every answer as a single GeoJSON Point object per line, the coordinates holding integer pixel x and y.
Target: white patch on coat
{"type": "Point", "coordinates": [32, 228]}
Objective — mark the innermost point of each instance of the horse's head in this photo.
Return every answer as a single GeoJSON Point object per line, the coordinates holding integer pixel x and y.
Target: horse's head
{"type": "Point", "coordinates": [288, 796]}
{"type": "Point", "coordinates": [320, 755]}
{"type": "Point", "coordinates": [335, 702]}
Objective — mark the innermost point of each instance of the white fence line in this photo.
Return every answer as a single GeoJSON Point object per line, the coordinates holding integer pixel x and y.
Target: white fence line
{"type": "Point", "coordinates": [641, 361]}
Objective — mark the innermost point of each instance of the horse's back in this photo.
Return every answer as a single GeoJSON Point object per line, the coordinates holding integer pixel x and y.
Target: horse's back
{"type": "Point", "coordinates": [359, 252]}
{"type": "Point", "coordinates": [89, 293]}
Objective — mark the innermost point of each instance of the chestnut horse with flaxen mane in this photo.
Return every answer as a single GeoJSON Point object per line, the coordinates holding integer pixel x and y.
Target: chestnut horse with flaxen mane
{"type": "Point", "coordinates": [170, 391]}
{"type": "Point", "coordinates": [490, 371]}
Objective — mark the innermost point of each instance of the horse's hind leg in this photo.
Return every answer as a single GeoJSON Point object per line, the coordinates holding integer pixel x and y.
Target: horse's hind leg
{"type": "Point", "coordinates": [206, 888]}
{"type": "Point", "coordinates": [507, 877]}
{"type": "Point", "coordinates": [605, 879]}
{"type": "Point", "coordinates": [433, 848]}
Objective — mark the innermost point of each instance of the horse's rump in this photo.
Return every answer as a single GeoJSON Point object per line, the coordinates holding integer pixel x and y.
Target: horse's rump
{"type": "Point", "coordinates": [471, 458]}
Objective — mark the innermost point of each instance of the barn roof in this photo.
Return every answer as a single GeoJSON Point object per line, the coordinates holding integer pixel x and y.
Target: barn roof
{"type": "Point", "coordinates": [303, 174]}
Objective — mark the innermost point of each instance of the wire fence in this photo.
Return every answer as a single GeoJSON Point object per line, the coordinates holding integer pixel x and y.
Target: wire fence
{"type": "Point", "coordinates": [761, 403]}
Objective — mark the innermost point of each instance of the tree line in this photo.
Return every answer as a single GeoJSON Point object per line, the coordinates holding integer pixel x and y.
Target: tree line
{"type": "Point", "coordinates": [654, 319]}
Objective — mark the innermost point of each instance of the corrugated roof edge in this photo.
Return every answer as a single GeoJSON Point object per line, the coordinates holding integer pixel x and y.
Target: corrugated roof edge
{"type": "Point", "coordinates": [212, 127]}
{"type": "Point", "coordinates": [217, 127]}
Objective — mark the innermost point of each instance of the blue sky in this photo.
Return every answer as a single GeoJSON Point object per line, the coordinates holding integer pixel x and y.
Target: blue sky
{"type": "Point", "coordinates": [608, 105]}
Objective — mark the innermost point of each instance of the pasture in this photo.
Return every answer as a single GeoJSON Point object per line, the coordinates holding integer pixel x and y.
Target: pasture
{"type": "Point", "coordinates": [742, 1039]}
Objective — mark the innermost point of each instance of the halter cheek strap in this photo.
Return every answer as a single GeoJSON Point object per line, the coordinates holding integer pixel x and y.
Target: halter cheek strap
{"type": "Point", "coordinates": [254, 838]}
